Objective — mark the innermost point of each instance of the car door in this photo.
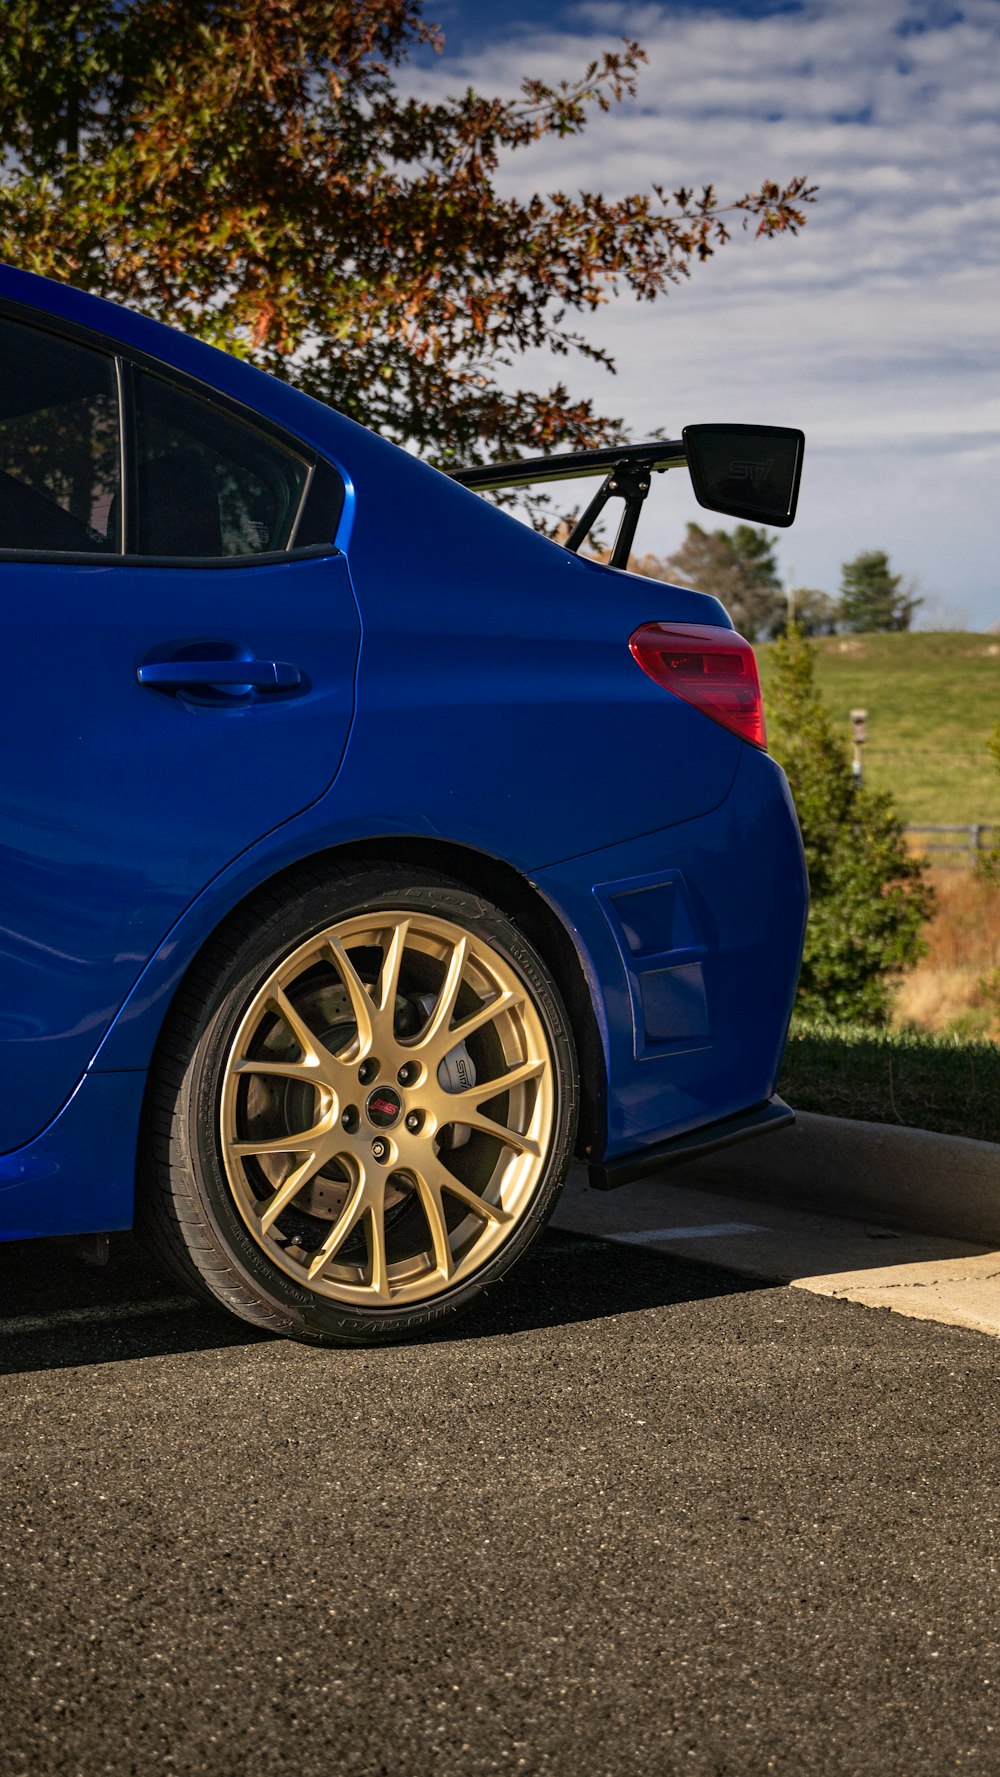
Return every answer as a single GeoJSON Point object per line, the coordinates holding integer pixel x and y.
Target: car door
{"type": "Point", "coordinates": [177, 678]}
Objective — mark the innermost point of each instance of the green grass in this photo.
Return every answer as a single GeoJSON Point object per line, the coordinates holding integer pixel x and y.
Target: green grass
{"type": "Point", "coordinates": [927, 1082]}
{"type": "Point", "coordinates": [932, 700]}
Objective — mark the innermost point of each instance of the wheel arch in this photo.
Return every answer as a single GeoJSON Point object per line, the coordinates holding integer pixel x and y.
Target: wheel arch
{"type": "Point", "coordinates": [497, 881]}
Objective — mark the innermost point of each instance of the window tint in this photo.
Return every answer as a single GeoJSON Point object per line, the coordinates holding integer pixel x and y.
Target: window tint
{"type": "Point", "coordinates": [207, 484]}
{"type": "Point", "coordinates": [59, 456]}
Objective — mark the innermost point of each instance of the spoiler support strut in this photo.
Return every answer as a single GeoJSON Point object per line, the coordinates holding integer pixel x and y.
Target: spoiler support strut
{"type": "Point", "coordinates": [627, 470]}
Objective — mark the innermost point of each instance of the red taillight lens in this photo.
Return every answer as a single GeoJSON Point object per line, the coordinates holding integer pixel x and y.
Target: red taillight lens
{"type": "Point", "coordinates": [712, 668]}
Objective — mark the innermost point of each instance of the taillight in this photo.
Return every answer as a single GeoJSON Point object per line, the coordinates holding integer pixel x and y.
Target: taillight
{"type": "Point", "coordinates": [712, 668]}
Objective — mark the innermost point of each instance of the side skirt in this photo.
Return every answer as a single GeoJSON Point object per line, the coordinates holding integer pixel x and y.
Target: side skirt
{"type": "Point", "coordinates": [78, 1176]}
{"type": "Point", "coordinates": [773, 1114]}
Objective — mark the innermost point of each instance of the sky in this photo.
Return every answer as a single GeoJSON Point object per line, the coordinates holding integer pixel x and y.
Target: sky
{"type": "Point", "coordinates": [875, 330]}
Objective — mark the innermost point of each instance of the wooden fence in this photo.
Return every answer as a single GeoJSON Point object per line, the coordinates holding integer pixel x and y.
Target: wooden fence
{"type": "Point", "coordinates": [958, 847]}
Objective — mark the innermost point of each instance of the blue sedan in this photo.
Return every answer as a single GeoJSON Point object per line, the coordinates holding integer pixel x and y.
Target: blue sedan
{"type": "Point", "coordinates": [364, 855]}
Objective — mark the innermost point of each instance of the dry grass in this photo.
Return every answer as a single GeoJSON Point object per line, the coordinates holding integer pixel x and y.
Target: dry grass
{"type": "Point", "coordinates": [943, 992]}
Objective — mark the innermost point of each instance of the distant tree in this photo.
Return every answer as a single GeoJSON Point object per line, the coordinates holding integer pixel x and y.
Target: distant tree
{"type": "Point", "coordinates": [739, 567]}
{"type": "Point", "coordinates": [756, 547]}
{"type": "Point", "coordinates": [815, 612]}
{"type": "Point", "coordinates": [873, 598]}
{"type": "Point", "coordinates": [869, 897]}
{"type": "Point", "coordinates": [257, 172]}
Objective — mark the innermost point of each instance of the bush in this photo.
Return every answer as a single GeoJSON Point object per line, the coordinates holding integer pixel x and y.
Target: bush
{"type": "Point", "coordinates": [869, 898]}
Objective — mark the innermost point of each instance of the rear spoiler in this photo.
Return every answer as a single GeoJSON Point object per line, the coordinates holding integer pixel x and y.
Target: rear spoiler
{"type": "Point", "coordinates": [746, 471]}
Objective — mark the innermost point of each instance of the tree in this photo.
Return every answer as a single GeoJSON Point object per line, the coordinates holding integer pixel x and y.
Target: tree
{"type": "Point", "coordinates": [738, 567]}
{"type": "Point", "coordinates": [869, 899]}
{"type": "Point", "coordinates": [815, 612]}
{"type": "Point", "coordinates": [872, 598]}
{"type": "Point", "coordinates": [250, 170]}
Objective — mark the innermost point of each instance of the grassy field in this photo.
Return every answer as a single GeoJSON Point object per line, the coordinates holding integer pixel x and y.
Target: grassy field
{"type": "Point", "coordinates": [931, 700]}
{"type": "Point", "coordinates": [928, 1082]}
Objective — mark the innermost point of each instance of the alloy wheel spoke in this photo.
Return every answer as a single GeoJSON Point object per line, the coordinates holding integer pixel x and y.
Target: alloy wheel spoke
{"type": "Point", "coordinates": [350, 1216]}
{"type": "Point", "coordinates": [280, 1070]}
{"type": "Point", "coordinates": [440, 1017]}
{"type": "Point", "coordinates": [504, 1002]}
{"type": "Point", "coordinates": [438, 1176]}
{"type": "Point", "coordinates": [429, 1192]}
{"type": "Point", "coordinates": [484, 1090]}
{"type": "Point", "coordinates": [378, 1259]}
{"type": "Point", "coordinates": [392, 962]}
{"type": "Point", "coordinates": [512, 1138]}
{"type": "Point", "coordinates": [357, 993]}
{"type": "Point", "coordinates": [291, 1188]}
{"type": "Point", "coordinates": [292, 1143]}
{"type": "Point", "coordinates": [312, 1050]}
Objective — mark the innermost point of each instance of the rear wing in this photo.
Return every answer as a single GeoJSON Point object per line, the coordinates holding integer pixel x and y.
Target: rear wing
{"type": "Point", "coordinates": [748, 472]}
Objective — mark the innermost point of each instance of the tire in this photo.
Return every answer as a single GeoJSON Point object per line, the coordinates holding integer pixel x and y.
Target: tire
{"type": "Point", "coordinates": [361, 1110]}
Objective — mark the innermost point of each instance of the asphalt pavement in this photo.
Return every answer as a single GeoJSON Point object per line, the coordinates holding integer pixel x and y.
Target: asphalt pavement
{"type": "Point", "coordinates": [635, 1514]}
{"type": "Point", "coordinates": [875, 1261]}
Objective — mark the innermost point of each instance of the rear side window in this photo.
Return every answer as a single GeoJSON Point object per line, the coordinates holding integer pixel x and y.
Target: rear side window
{"type": "Point", "coordinates": [59, 445]}
{"type": "Point", "coordinates": [206, 484]}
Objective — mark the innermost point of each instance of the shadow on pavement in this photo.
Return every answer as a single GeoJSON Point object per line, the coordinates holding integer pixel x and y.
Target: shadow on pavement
{"type": "Point", "coordinates": [113, 1313]}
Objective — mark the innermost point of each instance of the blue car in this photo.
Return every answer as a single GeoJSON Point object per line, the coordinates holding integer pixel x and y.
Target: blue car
{"type": "Point", "coordinates": [364, 855]}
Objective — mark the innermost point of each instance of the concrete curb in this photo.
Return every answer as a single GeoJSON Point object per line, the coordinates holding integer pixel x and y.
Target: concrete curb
{"type": "Point", "coordinates": [911, 1178]}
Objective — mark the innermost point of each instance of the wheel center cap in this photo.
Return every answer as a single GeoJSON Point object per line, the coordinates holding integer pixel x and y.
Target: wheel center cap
{"type": "Point", "coordinates": [383, 1107]}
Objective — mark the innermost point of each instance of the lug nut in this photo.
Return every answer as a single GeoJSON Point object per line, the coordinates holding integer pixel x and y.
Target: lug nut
{"type": "Point", "coordinates": [350, 1119]}
{"type": "Point", "coordinates": [379, 1150]}
{"type": "Point", "coordinates": [368, 1071]}
{"type": "Point", "coordinates": [406, 1073]}
{"type": "Point", "coordinates": [414, 1121]}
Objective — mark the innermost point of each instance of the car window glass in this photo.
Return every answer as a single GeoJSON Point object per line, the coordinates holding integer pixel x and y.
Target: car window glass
{"type": "Point", "coordinates": [208, 485]}
{"type": "Point", "coordinates": [59, 451]}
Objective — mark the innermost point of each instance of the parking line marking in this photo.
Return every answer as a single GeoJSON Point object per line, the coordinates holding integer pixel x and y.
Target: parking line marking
{"type": "Point", "coordinates": [707, 1233]}
{"type": "Point", "coordinates": [65, 1317]}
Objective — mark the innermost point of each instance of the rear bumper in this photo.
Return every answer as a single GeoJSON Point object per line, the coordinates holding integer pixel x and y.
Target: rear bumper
{"type": "Point", "coordinates": [775, 1114]}
{"type": "Point", "coordinates": [692, 939]}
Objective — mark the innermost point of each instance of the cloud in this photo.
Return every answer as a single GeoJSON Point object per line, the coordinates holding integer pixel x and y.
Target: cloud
{"type": "Point", "coordinates": [875, 329]}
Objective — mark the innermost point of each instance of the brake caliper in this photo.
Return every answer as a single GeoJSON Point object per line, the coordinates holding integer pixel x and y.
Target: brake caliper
{"type": "Point", "coordinates": [456, 1073]}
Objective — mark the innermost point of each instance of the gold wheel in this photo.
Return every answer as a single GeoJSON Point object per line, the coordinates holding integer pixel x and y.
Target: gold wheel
{"type": "Point", "coordinates": [387, 1110]}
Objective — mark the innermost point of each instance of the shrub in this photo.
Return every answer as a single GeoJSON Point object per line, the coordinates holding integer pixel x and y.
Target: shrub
{"type": "Point", "coordinates": [869, 898]}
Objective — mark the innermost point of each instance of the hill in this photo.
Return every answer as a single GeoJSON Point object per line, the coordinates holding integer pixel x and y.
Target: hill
{"type": "Point", "coordinates": [932, 699]}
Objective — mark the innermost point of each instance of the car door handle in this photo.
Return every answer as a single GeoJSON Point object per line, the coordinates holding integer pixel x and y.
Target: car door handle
{"type": "Point", "coordinates": [180, 675]}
